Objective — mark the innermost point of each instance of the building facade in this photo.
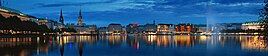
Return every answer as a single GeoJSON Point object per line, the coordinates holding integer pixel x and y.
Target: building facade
{"type": "Point", "coordinates": [92, 29]}
{"type": "Point", "coordinates": [184, 29]}
{"type": "Point", "coordinates": [132, 28]}
{"type": "Point", "coordinates": [164, 28]}
{"type": "Point", "coordinates": [103, 30]}
{"type": "Point", "coordinates": [80, 19]}
{"type": "Point", "coordinates": [115, 28]}
{"type": "Point", "coordinates": [150, 29]}
{"type": "Point", "coordinates": [252, 26]}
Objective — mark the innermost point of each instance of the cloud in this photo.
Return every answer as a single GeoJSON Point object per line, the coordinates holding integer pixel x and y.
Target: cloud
{"type": "Point", "coordinates": [180, 7]}
{"type": "Point", "coordinates": [142, 9]}
{"type": "Point", "coordinates": [245, 4]}
{"type": "Point", "coordinates": [237, 1]}
{"type": "Point", "coordinates": [229, 5]}
{"type": "Point", "coordinates": [218, 15]}
{"type": "Point", "coordinates": [110, 5]}
{"type": "Point", "coordinates": [70, 4]}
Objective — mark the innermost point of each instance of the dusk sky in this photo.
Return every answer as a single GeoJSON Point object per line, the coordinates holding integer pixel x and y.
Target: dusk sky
{"type": "Point", "coordinates": [104, 12]}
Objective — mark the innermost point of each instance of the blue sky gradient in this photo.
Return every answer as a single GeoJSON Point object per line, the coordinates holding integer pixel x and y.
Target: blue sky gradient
{"type": "Point", "coordinates": [103, 12]}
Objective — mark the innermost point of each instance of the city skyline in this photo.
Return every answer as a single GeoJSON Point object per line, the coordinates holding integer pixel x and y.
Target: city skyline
{"type": "Point", "coordinates": [104, 12]}
{"type": "Point", "coordinates": [133, 28]}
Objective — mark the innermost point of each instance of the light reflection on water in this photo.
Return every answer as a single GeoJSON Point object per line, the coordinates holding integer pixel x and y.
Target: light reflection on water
{"type": "Point", "coordinates": [122, 45]}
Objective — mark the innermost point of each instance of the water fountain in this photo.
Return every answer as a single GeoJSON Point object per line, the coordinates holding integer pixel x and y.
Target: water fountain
{"type": "Point", "coordinates": [211, 30]}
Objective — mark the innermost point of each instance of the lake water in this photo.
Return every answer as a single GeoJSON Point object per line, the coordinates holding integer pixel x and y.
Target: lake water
{"type": "Point", "coordinates": [134, 45]}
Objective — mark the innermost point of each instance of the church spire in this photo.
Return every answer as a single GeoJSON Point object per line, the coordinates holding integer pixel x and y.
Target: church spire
{"type": "Point", "coordinates": [80, 13]}
{"type": "Point", "coordinates": [154, 22]}
{"type": "Point", "coordinates": [0, 2]}
{"type": "Point", "coordinates": [80, 19]}
{"type": "Point", "coordinates": [61, 17]}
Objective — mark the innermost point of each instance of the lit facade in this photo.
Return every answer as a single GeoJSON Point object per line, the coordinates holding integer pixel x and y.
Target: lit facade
{"type": "Point", "coordinates": [150, 28]}
{"type": "Point", "coordinates": [103, 30]}
{"type": "Point", "coordinates": [228, 26]}
{"type": "Point", "coordinates": [164, 28]}
{"type": "Point", "coordinates": [202, 28]}
{"type": "Point", "coordinates": [115, 28]}
{"type": "Point", "coordinates": [80, 27]}
{"type": "Point", "coordinates": [8, 12]}
{"type": "Point", "coordinates": [92, 29]}
{"type": "Point", "coordinates": [50, 23]}
{"type": "Point", "coordinates": [184, 28]}
{"type": "Point", "coordinates": [141, 29]}
{"type": "Point", "coordinates": [132, 28]}
{"type": "Point", "coordinates": [252, 26]}
{"type": "Point", "coordinates": [42, 22]}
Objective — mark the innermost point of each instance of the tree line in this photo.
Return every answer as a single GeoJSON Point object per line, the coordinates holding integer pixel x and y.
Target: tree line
{"type": "Point", "coordinates": [14, 23]}
{"type": "Point", "coordinates": [264, 17]}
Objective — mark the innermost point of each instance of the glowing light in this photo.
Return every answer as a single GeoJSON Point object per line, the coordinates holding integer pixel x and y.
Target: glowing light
{"type": "Point", "coordinates": [203, 38]}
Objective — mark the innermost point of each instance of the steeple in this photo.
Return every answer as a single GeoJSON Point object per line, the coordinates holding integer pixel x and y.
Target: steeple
{"type": "Point", "coordinates": [80, 19]}
{"type": "Point", "coordinates": [154, 21]}
{"type": "Point", "coordinates": [80, 13]}
{"type": "Point", "coordinates": [0, 2]}
{"type": "Point", "coordinates": [61, 17]}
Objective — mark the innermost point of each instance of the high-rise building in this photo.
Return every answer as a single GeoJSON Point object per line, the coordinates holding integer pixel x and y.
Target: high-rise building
{"type": "Point", "coordinates": [80, 19]}
{"type": "Point", "coordinates": [61, 17]}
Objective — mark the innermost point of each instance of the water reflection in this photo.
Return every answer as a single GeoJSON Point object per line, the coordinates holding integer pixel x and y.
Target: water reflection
{"type": "Point", "coordinates": [103, 44]}
{"type": "Point", "coordinates": [21, 46]}
{"type": "Point", "coordinates": [255, 43]}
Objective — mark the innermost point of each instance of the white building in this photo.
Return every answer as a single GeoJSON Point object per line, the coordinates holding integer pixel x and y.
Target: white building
{"type": "Point", "coordinates": [252, 26]}
{"type": "Point", "coordinates": [164, 28]}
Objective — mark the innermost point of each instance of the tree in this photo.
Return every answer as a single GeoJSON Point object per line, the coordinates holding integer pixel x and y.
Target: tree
{"type": "Point", "coordinates": [14, 23]}
{"type": "Point", "coordinates": [264, 18]}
